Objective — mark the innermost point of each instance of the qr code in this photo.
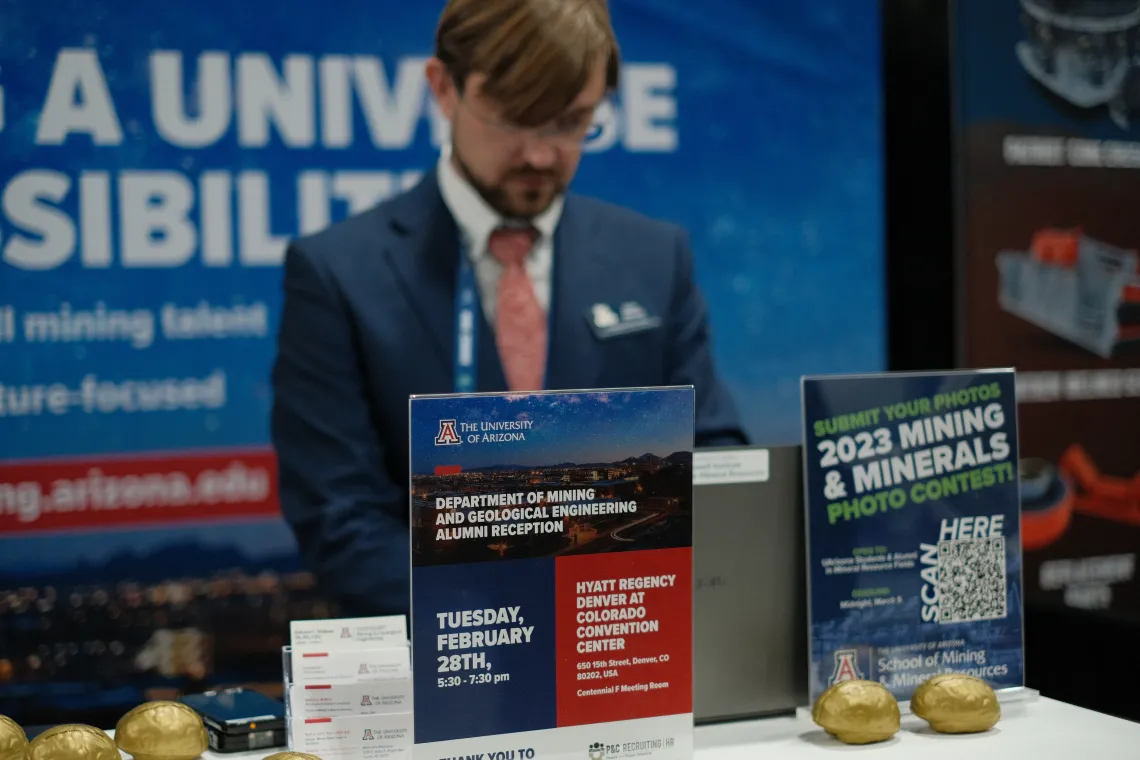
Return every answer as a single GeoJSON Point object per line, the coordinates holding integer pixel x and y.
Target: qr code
{"type": "Point", "coordinates": [971, 579]}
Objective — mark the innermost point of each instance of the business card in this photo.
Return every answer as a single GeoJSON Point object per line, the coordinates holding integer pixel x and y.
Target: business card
{"type": "Point", "coordinates": [368, 737]}
{"type": "Point", "coordinates": [349, 633]}
{"type": "Point", "coordinates": [333, 700]}
{"type": "Point", "coordinates": [334, 666]}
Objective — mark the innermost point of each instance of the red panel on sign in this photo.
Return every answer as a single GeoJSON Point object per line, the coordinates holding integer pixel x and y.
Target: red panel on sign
{"type": "Point", "coordinates": [624, 635]}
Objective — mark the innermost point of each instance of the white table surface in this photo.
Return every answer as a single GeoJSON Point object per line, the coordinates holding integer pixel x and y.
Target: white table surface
{"type": "Point", "coordinates": [1038, 729]}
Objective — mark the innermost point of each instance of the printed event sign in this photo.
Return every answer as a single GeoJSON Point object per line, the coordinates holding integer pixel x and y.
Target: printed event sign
{"type": "Point", "coordinates": [914, 546]}
{"type": "Point", "coordinates": [552, 574]}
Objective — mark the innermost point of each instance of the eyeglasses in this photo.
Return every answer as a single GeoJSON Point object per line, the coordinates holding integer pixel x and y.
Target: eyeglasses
{"type": "Point", "coordinates": [567, 132]}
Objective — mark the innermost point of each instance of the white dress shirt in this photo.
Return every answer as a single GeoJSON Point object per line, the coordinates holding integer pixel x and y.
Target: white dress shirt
{"type": "Point", "coordinates": [476, 221]}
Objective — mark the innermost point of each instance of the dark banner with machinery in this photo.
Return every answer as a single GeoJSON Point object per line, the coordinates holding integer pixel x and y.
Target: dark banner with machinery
{"type": "Point", "coordinates": [1047, 99]}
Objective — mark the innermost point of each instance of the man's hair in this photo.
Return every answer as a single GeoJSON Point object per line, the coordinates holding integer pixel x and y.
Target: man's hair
{"type": "Point", "coordinates": [537, 55]}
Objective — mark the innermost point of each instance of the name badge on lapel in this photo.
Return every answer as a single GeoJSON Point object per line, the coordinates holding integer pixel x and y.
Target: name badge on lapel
{"type": "Point", "coordinates": [631, 317]}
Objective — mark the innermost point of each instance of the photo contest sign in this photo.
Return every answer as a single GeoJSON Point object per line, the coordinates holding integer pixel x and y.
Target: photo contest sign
{"type": "Point", "coordinates": [552, 574]}
{"type": "Point", "coordinates": [913, 524]}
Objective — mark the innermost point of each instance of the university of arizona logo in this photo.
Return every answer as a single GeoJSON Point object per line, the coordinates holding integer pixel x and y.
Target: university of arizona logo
{"type": "Point", "coordinates": [366, 701]}
{"type": "Point", "coordinates": [448, 435]}
{"type": "Point", "coordinates": [364, 669]}
{"type": "Point", "coordinates": [846, 667]}
{"type": "Point", "coordinates": [345, 633]}
{"type": "Point", "coordinates": [368, 735]}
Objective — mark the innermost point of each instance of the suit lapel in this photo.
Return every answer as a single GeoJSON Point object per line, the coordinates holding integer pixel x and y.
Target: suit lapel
{"type": "Point", "coordinates": [425, 258]}
{"type": "Point", "coordinates": [424, 255]}
{"type": "Point", "coordinates": [574, 362]}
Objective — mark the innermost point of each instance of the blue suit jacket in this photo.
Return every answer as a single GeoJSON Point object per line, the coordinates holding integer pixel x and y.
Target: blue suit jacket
{"type": "Point", "coordinates": [368, 319]}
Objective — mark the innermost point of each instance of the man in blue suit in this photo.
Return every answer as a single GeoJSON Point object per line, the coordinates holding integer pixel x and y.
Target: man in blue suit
{"type": "Point", "coordinates": [487, 276]}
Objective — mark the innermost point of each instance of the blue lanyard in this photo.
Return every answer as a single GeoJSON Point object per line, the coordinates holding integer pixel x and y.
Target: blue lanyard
{"type": "Point", "coordinates": [466, 326]}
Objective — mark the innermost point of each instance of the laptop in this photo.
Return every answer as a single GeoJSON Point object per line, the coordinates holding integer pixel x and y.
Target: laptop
{"type": "Point", "coordinates": [749, 606]}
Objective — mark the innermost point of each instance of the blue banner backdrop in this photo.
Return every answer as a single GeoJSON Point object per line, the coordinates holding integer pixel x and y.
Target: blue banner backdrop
{"type": "Point", "coordinates": [153, 167]}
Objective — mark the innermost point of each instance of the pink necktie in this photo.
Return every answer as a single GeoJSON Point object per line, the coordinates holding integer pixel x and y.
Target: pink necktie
{"type": "Point", "coordinates": [520, 324]}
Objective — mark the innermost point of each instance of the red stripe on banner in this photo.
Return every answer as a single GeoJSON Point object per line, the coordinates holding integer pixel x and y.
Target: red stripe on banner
{"type": "Point", "coordinates": [124, 491]}
{"type": "Point", "coordinates": [318, 720]}
{"type": "Point", "coordinates": [315, 654]}
{"type": "Point", "coordinates": [448, 469]}
{"type": "Point", "coordinates": [313, 686]}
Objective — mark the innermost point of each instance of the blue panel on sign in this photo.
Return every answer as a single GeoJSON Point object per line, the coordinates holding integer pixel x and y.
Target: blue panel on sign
{"type": "Point", "coordinates": [451, 672]}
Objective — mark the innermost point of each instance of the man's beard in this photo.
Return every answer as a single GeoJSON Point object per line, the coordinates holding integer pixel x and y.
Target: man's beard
{"type": "Point", "coordinates": [530, 203]}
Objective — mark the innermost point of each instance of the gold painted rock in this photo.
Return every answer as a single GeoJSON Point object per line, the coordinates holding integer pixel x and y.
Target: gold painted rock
{"type": "Point", "coordinates": [13, 740]}
{"type": "Point", "coordinates": [73, 741]}
{"type": "Point", "coordinates": [162, 730]}
{"type": "Point", "coordinates": [955, 703]}
{"type": "Point", "coordinates": [857, 712]}
{"type": "Point", "coordinates": [292, 756]}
